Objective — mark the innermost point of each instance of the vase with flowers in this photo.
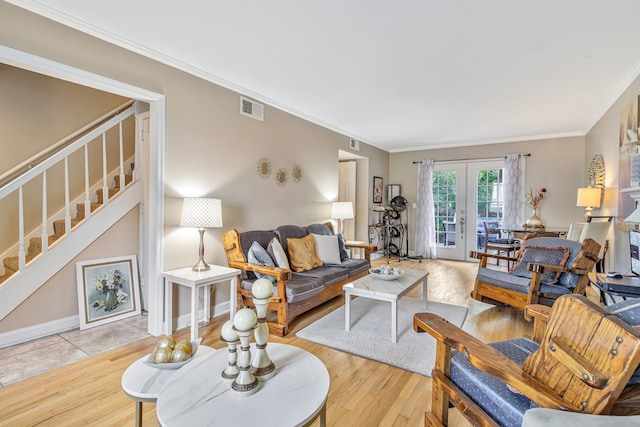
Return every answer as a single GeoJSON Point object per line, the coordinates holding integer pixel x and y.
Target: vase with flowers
{"type": "Point", "coordinates": [533, 198]}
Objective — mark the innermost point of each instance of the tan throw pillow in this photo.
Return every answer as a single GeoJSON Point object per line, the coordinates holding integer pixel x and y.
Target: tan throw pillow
{"type": "Point", "coordinates": [302, 254]}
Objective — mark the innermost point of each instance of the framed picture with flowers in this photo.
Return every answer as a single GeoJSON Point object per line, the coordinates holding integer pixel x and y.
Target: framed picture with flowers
{"type": "Point", "coordinates": [108, 290]}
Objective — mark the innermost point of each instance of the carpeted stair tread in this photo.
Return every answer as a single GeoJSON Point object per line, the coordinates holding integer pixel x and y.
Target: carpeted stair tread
{"type": "Point", "coordinates": [127, 179]}
{"type": "Point", "coordinates": [59, 227]}
{"type": "Point", "coordinates": [80, 209]}
{"type": "Point", "coordinates": [35, 243]}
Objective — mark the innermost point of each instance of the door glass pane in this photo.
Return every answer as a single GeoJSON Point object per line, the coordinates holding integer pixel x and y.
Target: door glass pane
{"type": "Point", "coordinates": [444, 199]}
{"type": "Point", "coordinates": [489, 206]}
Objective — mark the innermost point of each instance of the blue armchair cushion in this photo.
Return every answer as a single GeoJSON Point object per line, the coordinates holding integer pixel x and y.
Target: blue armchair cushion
{"type": "Point", "coordinates": [548, 255]}
{"type": "Point", "coordinates": [259, 255]}
{"type": "Point", "coordinates": [492, 395]}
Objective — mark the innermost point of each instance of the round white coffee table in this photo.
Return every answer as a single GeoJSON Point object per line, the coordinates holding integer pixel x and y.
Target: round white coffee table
{"type": "Point", "coordinates": [142, 382]}
{"type": "Point", "coordinates": [196, 395]}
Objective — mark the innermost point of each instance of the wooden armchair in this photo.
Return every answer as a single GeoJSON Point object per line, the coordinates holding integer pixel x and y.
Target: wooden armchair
{"type": "Point", "coordinates": [585, 360]}
{"type": "Point", "coordinates": [546, 268]}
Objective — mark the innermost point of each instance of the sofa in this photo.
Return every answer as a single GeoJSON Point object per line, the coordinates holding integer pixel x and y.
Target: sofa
{"type": "Point", "coordinates": [307, 265]}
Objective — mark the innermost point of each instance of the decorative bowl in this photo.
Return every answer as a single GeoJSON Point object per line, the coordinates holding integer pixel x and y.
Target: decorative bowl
{"type": "Point", "coordinates": [386, 274]}
{"type": "Point", "coordinates": [195, 344]}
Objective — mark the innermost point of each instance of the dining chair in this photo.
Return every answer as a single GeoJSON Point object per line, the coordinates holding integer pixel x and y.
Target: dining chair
{"type": "Point", "coordinates": [495, 241]}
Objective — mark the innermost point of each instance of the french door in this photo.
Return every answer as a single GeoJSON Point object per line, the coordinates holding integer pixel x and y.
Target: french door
{"type": "Point", "coordinates": [465, 194]}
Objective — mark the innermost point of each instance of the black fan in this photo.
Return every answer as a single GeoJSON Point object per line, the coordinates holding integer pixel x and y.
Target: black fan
{"type": "Point", "coordinates": [399, 203]}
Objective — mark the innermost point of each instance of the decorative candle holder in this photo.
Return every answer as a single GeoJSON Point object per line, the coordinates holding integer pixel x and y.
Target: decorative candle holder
{"type": "Point", "coordinates": [245, 383]}
{"type": "Point", "coordinates": [230, 337]}
{"type": "Point", "coordinates": [261, 365]}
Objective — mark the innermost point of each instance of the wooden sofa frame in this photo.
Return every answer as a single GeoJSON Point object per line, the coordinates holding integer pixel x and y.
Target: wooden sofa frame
{"type": "Point", "coordinates": [284, 310]}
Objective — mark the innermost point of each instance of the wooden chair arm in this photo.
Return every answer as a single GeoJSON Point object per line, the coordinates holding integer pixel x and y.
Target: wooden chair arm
{"type": "Point", "coordinates": [539, 315]}
{"type": "Point", "coordinates": [281, 274]}
{"type": "Point", "coordinates": [368, 249]}
{"type": "Point", "coordinates": [485, 358]}
{"type": "Point", "coordinates": [360, 246]}
{"type": "Point", "coordinates": [480, 255]}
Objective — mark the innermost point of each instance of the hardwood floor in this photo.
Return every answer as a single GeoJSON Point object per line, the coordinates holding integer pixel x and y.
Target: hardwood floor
{"type": "Point", "coordinates": [363, 392]}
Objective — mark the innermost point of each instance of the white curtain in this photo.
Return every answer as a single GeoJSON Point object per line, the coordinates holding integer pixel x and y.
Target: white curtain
{"type": "Point", "coordinates": [425, 245]}
{"type": "Point", "coordinates": [513, 191]}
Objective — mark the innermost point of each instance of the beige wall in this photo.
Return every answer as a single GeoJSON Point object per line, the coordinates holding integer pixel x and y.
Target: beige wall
{"type": "Point", "coordinates": [37, 111]}
{"type": "Point", "coordinates": [557, 164]}
{"type": "Point", "coordinates": [211, 150]}
{"type": "Point", "coordinates": [603, 139]}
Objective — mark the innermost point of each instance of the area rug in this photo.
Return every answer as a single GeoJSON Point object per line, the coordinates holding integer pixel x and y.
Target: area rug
{"type": "Point", "coordinates": [370, 334]}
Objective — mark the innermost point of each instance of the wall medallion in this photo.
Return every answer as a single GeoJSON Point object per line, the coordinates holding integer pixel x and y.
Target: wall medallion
{"type": "Point", "coordinates": [282, 176]}
{"type": "Point", "coordinates": [264, 168]}
{"type": "Point", "coordinates": [297, 173]}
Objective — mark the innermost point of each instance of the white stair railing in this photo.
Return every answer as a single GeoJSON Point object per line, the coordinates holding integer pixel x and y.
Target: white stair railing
{"type": "Point", "coordinates": [15, 180]}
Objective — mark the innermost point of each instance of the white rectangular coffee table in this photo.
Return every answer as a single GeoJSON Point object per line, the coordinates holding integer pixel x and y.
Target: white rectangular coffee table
{"type": "Point", "coordinates": [384, 290]}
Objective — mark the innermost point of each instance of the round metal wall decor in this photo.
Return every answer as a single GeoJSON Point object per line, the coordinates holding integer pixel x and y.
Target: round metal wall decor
{"type": "Point", "coordinates": [282, 176]}
{"type": "Point", "coordinates": [297, 173]}
{"type": "Point", "coordinates": [264, 168]}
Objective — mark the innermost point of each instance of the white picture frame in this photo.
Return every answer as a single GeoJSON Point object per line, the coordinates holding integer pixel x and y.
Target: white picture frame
{"type": "Point", "coordinates": [108, 290]}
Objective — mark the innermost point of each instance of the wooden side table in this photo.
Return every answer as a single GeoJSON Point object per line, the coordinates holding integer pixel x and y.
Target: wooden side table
{"type": "Point", "coordinates": [142, 382]}
{"type": "Point", "coordinates": [196, 280]}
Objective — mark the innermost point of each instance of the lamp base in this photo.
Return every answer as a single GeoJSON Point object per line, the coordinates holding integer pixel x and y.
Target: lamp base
{"type": "Point", "coordinates": [201, 266]}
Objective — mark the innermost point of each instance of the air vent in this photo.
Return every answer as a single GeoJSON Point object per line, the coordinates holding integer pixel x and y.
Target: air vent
{"type": "Point", "coordinates": [354, 144]}
{"type": "Point", "coordinates": [251, 108]}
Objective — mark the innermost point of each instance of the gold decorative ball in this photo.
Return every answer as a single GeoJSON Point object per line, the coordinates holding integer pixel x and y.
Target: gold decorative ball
{"type": "Point", "coordinates": [162, 355]}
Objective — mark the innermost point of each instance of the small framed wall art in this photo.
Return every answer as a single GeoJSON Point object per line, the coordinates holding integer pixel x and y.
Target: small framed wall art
{"type": "Point", "coordinates": [377, 189]}
{"type": "Point", "coordinates": [108, 290]}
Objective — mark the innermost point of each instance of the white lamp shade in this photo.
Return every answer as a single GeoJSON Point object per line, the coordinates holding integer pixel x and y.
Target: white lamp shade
{"type": "Point", "coordinates": [201, 212]}
{"type": "Point", "coordinates": [341, 210]}
{"type": "Point", "coordinates": [589, 197]}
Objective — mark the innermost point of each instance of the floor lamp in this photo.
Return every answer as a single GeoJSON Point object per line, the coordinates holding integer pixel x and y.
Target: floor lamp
{"type": "Point", "coordinates": [341, 211]}
{"type": "Point", "coordinates": [201, 213]}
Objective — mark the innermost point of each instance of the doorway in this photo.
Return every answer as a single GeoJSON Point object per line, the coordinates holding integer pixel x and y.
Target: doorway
{"type": "Point", "coordinates": [466, 194]}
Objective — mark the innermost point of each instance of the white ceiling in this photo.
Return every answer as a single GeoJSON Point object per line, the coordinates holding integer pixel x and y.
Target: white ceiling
{"type": "Point", "coordinates": [400, 75]}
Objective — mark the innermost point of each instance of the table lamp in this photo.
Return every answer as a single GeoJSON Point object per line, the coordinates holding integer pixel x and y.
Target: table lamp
{"type": "Point", "coordinates": [342, 211]}
{"type": "Point", "coordinates": [201, 213]}
{"type": "Point", "coordinates": [589, 198]}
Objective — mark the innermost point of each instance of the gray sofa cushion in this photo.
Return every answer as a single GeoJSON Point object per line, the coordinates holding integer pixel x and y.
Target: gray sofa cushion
{"type": "Point", "coordinates": [355, 266]}
{"type": "Point", "coordinates": [328, 274]}
{"type": "Point", "coordinates": [246, 240]}
{"type": "Point", "coordinates": [298, 288]}
{"type": "Point", "coordinates": [285, 232]}
{"type": "Point", "coordinates": [492, 395]}
{"type": "Point", "coordinates": [321, 229]}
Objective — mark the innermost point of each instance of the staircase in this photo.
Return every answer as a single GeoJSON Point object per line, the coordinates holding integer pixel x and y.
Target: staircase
{"type": "Point", "coordinates": [37, 261]}
{"type": "Point", "coordinates": [11, 263]}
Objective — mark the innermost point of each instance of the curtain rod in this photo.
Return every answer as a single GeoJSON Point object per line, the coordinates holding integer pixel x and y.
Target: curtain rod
{"type": "Point", "coordinates": [477, 158]}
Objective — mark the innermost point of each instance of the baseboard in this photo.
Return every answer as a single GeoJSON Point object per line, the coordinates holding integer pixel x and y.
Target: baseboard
{"type": "Point", "coordinates": [30, 333]}
{"type": "Point", "coordinates": [184, 320]}
{"type": "Point", "coordinates": [41, 330]}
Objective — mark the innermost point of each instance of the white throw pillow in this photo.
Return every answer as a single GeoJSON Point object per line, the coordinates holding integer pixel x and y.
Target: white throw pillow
{"type": "Point", "coordinates": [277, 252]}
{"type": "Point", "coordinates": [327, 248]}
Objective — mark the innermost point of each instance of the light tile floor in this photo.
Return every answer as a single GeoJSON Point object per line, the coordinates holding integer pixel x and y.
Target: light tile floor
{"type": "Point", "coordinates": [35, 357]}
